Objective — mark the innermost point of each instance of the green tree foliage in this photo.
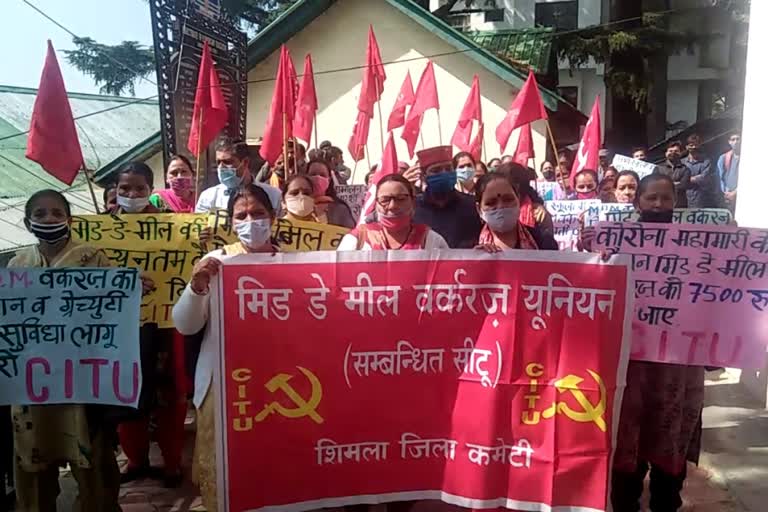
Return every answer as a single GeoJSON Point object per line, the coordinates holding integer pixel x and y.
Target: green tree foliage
{"type": "Point", "coordinates": [115, 68]}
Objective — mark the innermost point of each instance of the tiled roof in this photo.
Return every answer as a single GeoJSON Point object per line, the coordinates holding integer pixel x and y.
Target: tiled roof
{"type": "Point", "coordinates": [531, 48]}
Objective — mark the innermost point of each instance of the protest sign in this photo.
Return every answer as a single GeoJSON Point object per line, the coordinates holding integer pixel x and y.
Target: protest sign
{"type": "Point", "coordinates": [626, 163]}
{"type": "Point", "coordinates": [483, 381]}
{"type": "Point", "coordinates": [548, 190]}
{"type": "Point", "coordinates": [69, 335]}
{"type": "Point", "coordinates": [353, 195]}
{"type": "Point", "coordinates": [565, 217]}
{"type": "Point", "coordinates": [713, 216]}
{"type": "Point", "coordinates": [700, 291]}
{"type": "Point", "coordinates": [598, 212]}
{"type": "Point", "coordinates": [166, 246]}
{"type": "Point", "coordinates": [163, 247]}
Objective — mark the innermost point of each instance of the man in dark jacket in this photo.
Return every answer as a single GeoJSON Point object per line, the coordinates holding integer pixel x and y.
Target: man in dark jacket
{"type": "Point", "coordinates": [704, 191]}
{"type": "Point", "coordinates": [675, 169]}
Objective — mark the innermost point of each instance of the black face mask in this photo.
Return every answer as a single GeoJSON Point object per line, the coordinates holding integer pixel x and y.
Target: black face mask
{"type": "Point", "coordinates": [49, 233]}
{"type": "Point", "coordinates": [662, 216]}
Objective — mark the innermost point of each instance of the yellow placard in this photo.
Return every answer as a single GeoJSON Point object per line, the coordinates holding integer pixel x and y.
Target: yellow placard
{"type": "Point", "coordinates": [166, 246]}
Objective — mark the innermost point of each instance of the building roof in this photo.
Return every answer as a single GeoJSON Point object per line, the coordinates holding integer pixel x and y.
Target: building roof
{"type": "Point", "coordinates": [531, 48]}
{"type": "Point", "coordinates": [107, 127]}
{"type": "Point", "coordinates": [303, 12]}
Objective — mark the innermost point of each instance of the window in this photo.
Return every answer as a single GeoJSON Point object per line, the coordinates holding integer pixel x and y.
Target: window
{"type": "Point", "coordinates": [459, 22]}
{"type": "Point", "coordinates": [558, 15]}
{"type": "Point", "coordinates": [494, 15]}
{"type": "Point", "coordinates": [570, 94]}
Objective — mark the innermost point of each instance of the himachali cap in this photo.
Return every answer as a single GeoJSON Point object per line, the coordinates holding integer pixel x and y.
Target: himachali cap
{"type": "Point", "coordinates": [436, 155]}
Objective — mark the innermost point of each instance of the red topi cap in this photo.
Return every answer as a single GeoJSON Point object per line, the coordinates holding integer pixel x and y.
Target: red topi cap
{"type": "Point", "coordinates": [437, 155]}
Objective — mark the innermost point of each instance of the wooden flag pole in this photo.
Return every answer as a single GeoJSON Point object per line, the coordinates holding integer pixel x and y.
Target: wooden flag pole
{"type": "Point", "coordinates": [285, 145]}
{"type": "Point", "coordinates": [317, 141]}
{"type": "Point", "coordinates": [90, 187]}
{"type": "Point", "coordinates": [199, 154]}
{"type": "Point", "coordinates": [439, 127]}
{"type": "Point", "coordinates": [552, 140]}
{"type": "Point", "coordinates": [368, 158]}
{"type": "Point", "coordinates": [352, 178]}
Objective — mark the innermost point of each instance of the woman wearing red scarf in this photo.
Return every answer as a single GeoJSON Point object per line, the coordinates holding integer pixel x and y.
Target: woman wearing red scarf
{"type": "Point", "coordinates": [395, 230]}
{"type": "Point", "coordinates": [533, 216]}
{"type": "Point", "coordinates": [180, 196]}
{"type": "Point", "coordinates": [498, 202]}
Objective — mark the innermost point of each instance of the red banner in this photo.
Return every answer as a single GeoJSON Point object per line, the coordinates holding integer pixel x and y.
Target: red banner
{"type": "Point", "coordinates": [482, 381]}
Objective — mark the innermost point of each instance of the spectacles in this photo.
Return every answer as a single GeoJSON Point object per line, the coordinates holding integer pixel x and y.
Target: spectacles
{"type": "Point", "coordinates": [398, 199]}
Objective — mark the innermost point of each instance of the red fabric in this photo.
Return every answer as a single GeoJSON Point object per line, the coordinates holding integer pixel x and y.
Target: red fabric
{"type": "Point", "coordinates": [525, 240]}
{"type": "Point", "coordinates": [359, 137]}
{"type": "Point", "coordinates": [425, 99]}
{"type": "Point", "coordinates": [404, 100]}
{"type": "Point", "coordinates": [389, 165]}
{"type": "Point", "coordinates": [134, 437]}
{"type": "Point", "coordinates": [210, 106]}
{"type": "Point", "coordinates": [527, 107]}
{"type": "Point", "coordinates": [374, 235]}
{"type": "Point", "coordinates": [587, 157]}
{"type": "Point", "coordinates": [174, 202]}
{"type": "Point", "coordinates": [526, 217]}
{"type": "Point", "coordinates": [476, 147]}
{"type": "Point", "coordinates": [436, 155]}
{"type": "Point", "coordinates": [471, 111]}
{"type": "Point", "coordinates": [373, 76]}
{"type": "Point", "coordinates": [52, 140]}
{"type": "Point", "coordinates": [306, 104]}
{"type": "Point", "coordinates": [283, 104]}
{"type": "Point", "coordinates": [524, 149]}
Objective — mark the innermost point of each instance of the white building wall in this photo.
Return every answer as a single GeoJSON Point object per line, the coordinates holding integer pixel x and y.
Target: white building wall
{"type": "Point", "coordinates": [338, 92]}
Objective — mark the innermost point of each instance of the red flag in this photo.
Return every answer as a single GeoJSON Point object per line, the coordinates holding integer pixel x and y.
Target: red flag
{"type": "Point", "coordinates": [527, 107]}
{"type": "Point", "coordinates": [283, 104]}
{"type": "Point", "coordinates": [476, 147]}
{"type": "Point", "coordinates": [210, 106]}
{"type": "Point", "coordinates": [425, 99]}
{"type": "Point", "coordinates": [587, 157]}
{"type": "Point", "coordinates": [470, 112]}
{"type": "Point", "coordinates": [524, 149]}
{"type": "Point", "coordinates": [389, 165]}
{"type": "Point", "coordinates": [373, 76]}
{"type": "Point", "coordinates": [52, 141]}
{"type": "Point", "coordinates": [306, 104]}
{"type": "Point", "coordinates": [359, 137]}
{"type": "Point", "coordinates": [404, 99]}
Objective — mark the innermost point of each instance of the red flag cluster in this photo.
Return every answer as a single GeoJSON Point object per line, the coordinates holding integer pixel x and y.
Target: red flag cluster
{"type": "Point", "coordinates": [425, 98]}
{"type": "Point", "coordinates": [370, 92]}
{"type": "Point", "coordinates": [526, 108]}
{"type": "Point", "coordinates": [210, 113]}
{"type": "Point", "coordinates": [471, 112]}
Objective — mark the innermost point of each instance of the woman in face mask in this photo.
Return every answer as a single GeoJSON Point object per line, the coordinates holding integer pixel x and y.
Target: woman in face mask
{"type": "Point", "coordinates": [464, 164]}
{"type": "Point", "coordinates": [179, 197]}
{"type": "Point", "coordinates": [134, 186]}
{"type": "Point", "coordinates": [298, 199]}
{"type": "Point", "coordinates": [626, 187]}
{"type": "Point", "coordinates": [331, 209]}
{"type": "Point", "coordinates": [498, 202]}
{"type": "Point", "coordinates": [47, 436]}
{"type": "Point", "coordinates": [252, 217]}
{"type": "Point", "coordinates": [585, 184]}
{"type": "Point", "coordinates": [662, 402]}
{"type": "Point", "coordinates": [395, 229]}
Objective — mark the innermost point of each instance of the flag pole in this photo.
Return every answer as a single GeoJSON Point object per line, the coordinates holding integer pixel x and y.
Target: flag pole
{"type": "Point", "coordinates": [352, 178]}
{"type": "Point", "coordinates": [485, 153]}
{"type": "Point", "coordinates": [368, 158]}
{"type": "Point", "coordinates": [551, 139]}
{"type": "Point", "coordinates": [381, 122]}
{"type": "Point", "coordinates": [285, 145]}
{"type": "Point", "coordinates": [199, 154]}
{"type": "Point", "coordinates": [90, 187]}
{"type": "Point", "coordinates": [317, 141]}
{"type": "Point", "coordinates": [439, 127]}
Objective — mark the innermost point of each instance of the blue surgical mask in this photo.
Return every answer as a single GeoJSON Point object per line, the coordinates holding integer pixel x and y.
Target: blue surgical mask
{"type": "Point", "coordinates": [465, 173]}
{"type": "Point", "coordinates": [228, 177]}
{"type": "Point", "coordinates": [441, 184]}
{"type": "Point", "coordinates": [254, 233]}
{"type": "Point", "coordinates": [501, 220]}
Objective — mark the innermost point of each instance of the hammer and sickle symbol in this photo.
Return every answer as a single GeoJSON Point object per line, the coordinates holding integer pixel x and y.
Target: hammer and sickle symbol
{"type": "Point", "coordinates": [589, 412]}
{"type": "Point", "coordinates": [303, 407]}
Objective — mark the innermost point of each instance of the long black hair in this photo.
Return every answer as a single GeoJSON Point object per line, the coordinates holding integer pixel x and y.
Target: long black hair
{"type": "Point", "coordinates": [486, 180]}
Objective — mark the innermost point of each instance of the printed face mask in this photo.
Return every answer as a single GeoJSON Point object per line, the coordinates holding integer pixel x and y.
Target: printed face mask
{"type": "Point", "coordinates": [181, 184]}
{"type": "Point", "coordinates": [49, 233]}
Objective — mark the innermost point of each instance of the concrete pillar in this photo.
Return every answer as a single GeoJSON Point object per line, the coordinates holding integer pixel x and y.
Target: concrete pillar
{"type": "Point", "coordinates": [753, 178]}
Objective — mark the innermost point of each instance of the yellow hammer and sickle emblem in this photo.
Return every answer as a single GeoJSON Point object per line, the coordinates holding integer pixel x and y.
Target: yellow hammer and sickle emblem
{"type": "Point", "coordinates": [590, 412]}
{"type": "Point", "coordinates": [303, 407]}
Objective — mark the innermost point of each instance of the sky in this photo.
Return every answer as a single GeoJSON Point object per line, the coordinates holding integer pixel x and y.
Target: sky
{"type": "Point", "coordinates": [25, 31]}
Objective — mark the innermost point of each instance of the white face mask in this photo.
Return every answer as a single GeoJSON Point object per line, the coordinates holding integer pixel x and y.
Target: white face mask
{"type": "Point", "coordinates": [132, 204]}
{"type": "Point", "coordinates": [255, 233]}
{"type": "Point", "coordinates": [501, 220]}
{"type": "Point", "coordinates": [301, 206]}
